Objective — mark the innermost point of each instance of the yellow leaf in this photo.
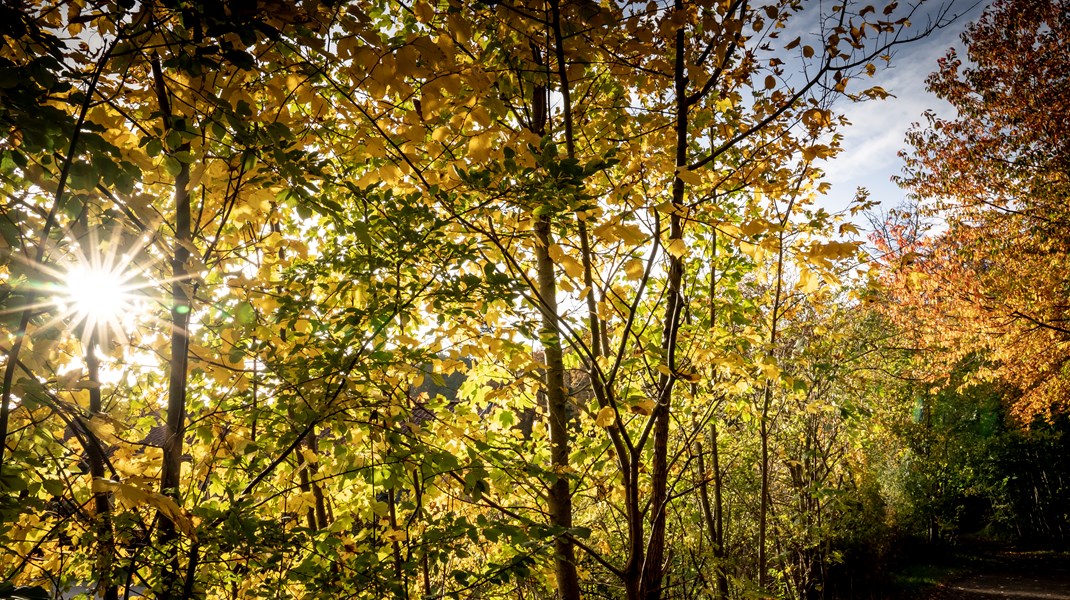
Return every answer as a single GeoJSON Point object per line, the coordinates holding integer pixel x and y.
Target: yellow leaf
{"type": "Point", "coordinates": [770, 82]}
{"type": "Point", "coordinates": [480, 116]}
{"type": "Point", "coordinates": [606, 417]}
{"type": "Point", "coordinates": [134, 496]}
{"type": "Point", "coordinates": [808, 282]}
{"type": "Point", "coordinates": [424, 12]}
{"type": "Point", "coordinates": [849, 229]}
{"type": "Point", "coordinates": [395, 535]}
{"type": "Point", "coordinates": [677, 248]}
{"type": "Point", "coordinates": [748, 248]}
{"type": "Point", "coordinates": [572, 267]}
{"type": "Point", "coordinates": [690, 177]}
{"type": "Point", "coordinates": [103, 429]}
{"type": "Point", "coordinates": [690, 376]}
{"type": "Point", "coordinates": [441, 134]}
{"type": "Point", "coordinates": [630, 233]}
{"type": "Point", "coordinates": [634, 269]}
{"type": "Point", "coordinates": [770, 370]}
{"type": "Point", "coordinates": [479, 146]}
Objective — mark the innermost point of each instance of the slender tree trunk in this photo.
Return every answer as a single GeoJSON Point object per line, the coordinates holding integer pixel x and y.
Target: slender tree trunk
{"type": "Point", "coordinates": [106, 587]}
{"type": "Point", "coordinates": [426, 568]}
{"type": "Point", "coordinates": [763, 500]}
{"type": "Point", "coordinates": [560, 496]}
{"type": "Point", "coordinates": [711, 510]}
{"type": "Point", "coordinates": [305, 485]}
{"type": "Point", "coordinates": [633, 570]}
{"type": "Point", "coordinates": [763, 425]}
{"type": "Point", "coordinates": [395, 547]}
{"type": "Point", "coordinates": [654, 567]}
{"type": "Point", "coordinates": [181, 306]}
{"type": "Point", "coordinates": [719, 552]}
{"type": "Point", "coordinates": [322, 519]}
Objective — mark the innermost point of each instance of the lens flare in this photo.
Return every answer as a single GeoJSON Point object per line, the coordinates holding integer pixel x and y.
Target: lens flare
{"type": "Point", "coordinates": [101, 293]}
{"type": "Point", "coordinates": [97, 295]}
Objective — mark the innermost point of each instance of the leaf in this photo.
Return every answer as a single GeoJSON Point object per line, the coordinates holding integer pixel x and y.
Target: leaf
{"type": "Point", "coordinates": [244, 313]}
{"type": "Point", "coordinates": [82, 176]}
{"type": "Point", "coordinates": [849, 229]}
{"type": "Point", "coordinates": [395, 535]}
{"type": "Point", "coordinates": [572, 267]}
{"type": "Point", "coordinates": [103, 429]}
{"type": "Point", "coordinates": [441, 134]}
{"type": "Point", "coordinates": [606, 417]}
{"type": "Point", "coordinates": [134, 497]}
{"type": "Point", "coordinates": [424, 11]}
{"type": "Point", "coordinates": [690, 376]}
{"type": "Point", "coordinates": [634, 269]}
{"type": "Point", "coordinates": [808, 282]}
{"type": "Point", "coordinates": [677, 248]}
{"type": "Point", "coordinates": [689, 177]}
{"type": "Point", "coordinates": [643, 407]}
{"type": "Point", "coordinates": [479, 146]}
{"type": "Point", "coordinates": [630, 233]}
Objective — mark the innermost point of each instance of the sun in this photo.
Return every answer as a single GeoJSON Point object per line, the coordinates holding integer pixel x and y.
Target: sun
{"type": "Point", "coordinates": [95, 294]}
{"type": "Point", "coordinates": [100, 295]}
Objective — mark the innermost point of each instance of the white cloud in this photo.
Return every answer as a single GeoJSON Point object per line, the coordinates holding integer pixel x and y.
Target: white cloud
{"type": "Point", "coordinates": [878, 128]}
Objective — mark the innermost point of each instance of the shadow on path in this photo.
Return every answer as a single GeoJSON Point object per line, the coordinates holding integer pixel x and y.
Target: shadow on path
{"type": "Point", "coordinates": [1011, 575]}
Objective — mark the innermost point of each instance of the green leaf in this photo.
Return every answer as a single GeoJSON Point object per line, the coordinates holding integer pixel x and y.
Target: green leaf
{"type": "Point", "coordinates": [82, 176]}
{"type": "Point", "coordinates": [244, 313]}
{"type": "Point", "coordinates": [11, 592]}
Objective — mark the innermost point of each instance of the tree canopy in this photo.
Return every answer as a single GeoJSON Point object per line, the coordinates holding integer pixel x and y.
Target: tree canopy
{"type": "Point", "coordinates": [512, 299]}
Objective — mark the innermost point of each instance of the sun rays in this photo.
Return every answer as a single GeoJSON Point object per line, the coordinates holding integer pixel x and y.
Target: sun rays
{"type": "Point", "coordinates": [101, 299]}
{"type": "Point", "coordinates": [99, 290]}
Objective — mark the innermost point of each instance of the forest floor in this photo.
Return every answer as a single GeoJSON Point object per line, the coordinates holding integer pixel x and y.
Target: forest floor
{"type": "Point", "coordinates": [1005, 573]}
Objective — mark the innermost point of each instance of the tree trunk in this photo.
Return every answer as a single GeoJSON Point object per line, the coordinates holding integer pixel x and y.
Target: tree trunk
{"type": "Point", "coordinates": [106, 587]}
{"type": "Point", "coordinates": [560, 497]}
{"type": "Point", "coordinates": [181, 306]}
{"type": "Point", "coordinates": [712, 510]}
{"type": "Point", "coordinates": [718, 498]}
{"type": "Point", "coordinates": [653, 568]}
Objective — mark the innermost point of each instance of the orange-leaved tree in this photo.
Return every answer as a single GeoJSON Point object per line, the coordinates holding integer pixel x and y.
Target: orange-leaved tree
{"type": "Point", "coordinates": [996, 173]}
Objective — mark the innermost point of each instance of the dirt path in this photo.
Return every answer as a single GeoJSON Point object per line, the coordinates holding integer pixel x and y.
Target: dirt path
{"type": "Point", "coordinates": [1013, 575]}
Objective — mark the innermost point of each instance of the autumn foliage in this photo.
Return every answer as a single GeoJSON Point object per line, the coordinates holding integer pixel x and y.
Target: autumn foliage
{"type": "Point", "coordinates": [991, 277]}
{"type": "Point", "coordinates": [518, 299]}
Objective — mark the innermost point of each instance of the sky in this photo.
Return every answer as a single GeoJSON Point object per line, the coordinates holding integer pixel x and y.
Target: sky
{"type": "Point", "coordinates": [878, 127]}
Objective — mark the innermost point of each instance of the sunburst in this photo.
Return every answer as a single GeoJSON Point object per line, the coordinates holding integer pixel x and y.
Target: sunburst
{"type": "Point", "coordinates": [99, 299]}
{"type": "Point", "coordinates": [101, 292]}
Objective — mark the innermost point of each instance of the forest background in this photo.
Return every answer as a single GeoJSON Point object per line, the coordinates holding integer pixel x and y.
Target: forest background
{"type": "Point", "coordinates": [519, 299]}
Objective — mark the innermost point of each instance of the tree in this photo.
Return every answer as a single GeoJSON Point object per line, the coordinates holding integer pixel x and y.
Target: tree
{"type": "Point", "coordinates": [601, 216]}
{"type": "Point", "coordinates": [994, 281]}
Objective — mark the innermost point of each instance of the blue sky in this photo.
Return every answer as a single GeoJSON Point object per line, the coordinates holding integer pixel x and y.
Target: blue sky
{"type": "Point", "coordinates": [872, 142]}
